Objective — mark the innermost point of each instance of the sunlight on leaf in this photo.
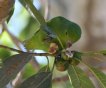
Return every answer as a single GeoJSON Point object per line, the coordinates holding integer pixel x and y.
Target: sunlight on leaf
{"type": "Point", "coordinates": [29, 70]}
{"type": "Point", "coordinates": [78, 78]}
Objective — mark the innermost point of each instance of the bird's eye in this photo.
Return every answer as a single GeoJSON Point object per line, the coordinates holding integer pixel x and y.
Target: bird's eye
{"type": "Point", "coordinates": [58, 56]}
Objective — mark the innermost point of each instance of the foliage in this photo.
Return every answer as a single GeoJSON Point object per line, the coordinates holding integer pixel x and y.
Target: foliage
{"type": "Point", "coordinates": [55, 37]}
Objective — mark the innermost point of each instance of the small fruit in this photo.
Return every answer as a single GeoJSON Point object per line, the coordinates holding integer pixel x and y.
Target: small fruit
{"type": "Point", "coordinates": [64, 56]}
{"type": "Point", "coordinates": [53, 48]}
{"type": "Point", "coordinates": [62, 65]}
{"type": "Point", "coordinates": [67, 54]}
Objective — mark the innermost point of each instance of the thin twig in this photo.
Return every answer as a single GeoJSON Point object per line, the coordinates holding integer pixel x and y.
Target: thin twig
{"type": "Point", "coordinates": [17, 43]}
{"type": "Point", "coordinates": [35, 12]}
{"type": "Point", "coordinates": [47, 63]}
{"type": "Point", "coordinates": [42, 54]}
{"type": "Point", "coordinates": [34, 54]}
{"type": "Point", "coordinates": [48, 54]}
{"type": "Point", "coordinates": [12, 49]}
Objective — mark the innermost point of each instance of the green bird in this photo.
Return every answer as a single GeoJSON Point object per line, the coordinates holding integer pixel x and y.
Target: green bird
{"type": "Point", "coordinates": [66, 32]}
{"type": "Point", "coordinates": [58, 30]}
{"type": "Point", "coordinates": [38, 41]}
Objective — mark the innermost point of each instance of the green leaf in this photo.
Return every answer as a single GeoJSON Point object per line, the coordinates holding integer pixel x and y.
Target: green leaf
{"type": "Point", "coordinates": [4, 54]}
{"type": "Point", "coordinates": [10, 14]}
{"type": "Point", "coordinates": [101, 77]}
{"type": "Point", "coordinates": [23, 3]}
{"type": "Point", "coordinates": [103, 52]}
{"type": "Point", "coordinates": [65, 30]}
{"type": "Point", "coordinates": [28, 4]}
{"type": "Point", "coordinates": [61, 31]}
{"type": "Point", "coordinates": [44, 69]}
{"type": "Point", "coordinates": [68, 84]}
{"type": "Point", "coordinates": [30, 29]}
{"type": "Point", "coordinates": [12, 66]}
{"type": "Point", "coordinates": [76, 57]}
{"type": "Point", "coordinates": [40, 80]}
{"type": "Point", "coordinates": [37, 41]}
{"type": "Point", "coordinates": [29, 70]}
{"type": "Point", "coordinates": [78, 78]}
{"type": "Point", "coordinates": [1, 63]}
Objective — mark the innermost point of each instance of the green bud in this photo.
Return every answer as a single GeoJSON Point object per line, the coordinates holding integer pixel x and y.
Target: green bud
{"type": "Point", "coordinates": [76, 57]}
{"type": "Point", "coordinates": [64, 56]}
{"type": "Point", "coordinates": [60, 63]}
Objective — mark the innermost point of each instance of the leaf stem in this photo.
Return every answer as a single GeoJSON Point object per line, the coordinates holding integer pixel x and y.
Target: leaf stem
{"type": "Point", "coordinates": [12, 49]}
{"type": "Point", "coordinates": [35, 12]}
{"type": "Point", "coordinates": [47, 63]}
{"type": "Point", "coordinates": [93, 73]}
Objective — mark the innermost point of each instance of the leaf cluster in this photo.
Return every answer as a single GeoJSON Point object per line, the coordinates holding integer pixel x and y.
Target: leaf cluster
{"type": "Point", "coordinates": [56, 35]}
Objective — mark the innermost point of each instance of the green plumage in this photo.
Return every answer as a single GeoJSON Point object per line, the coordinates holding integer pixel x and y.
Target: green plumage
{"type": "Point", "coordinates": [64, 31]}
{"type": "Point", "coordinates": [37, 41]}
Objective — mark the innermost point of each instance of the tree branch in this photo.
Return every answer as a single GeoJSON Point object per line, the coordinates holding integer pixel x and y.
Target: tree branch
{"type": "Point", "coordinates": [12, 49]}
{"type": "Point", "coordinates": [16, 41]}
{"type": "Point", "coordinates": [34, 54]}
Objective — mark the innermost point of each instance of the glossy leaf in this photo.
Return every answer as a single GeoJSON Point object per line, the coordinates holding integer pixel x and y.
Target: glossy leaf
{"type": "Point", "coordinates": [101, 77]}
{"type": "Point", "coordinates": [40, 80]}
{"type": "Point", "coordinates": [12, 66]}
{"type": "Point", "coordinates": [65, 30]}
{"type": "Point", "coordinates": [78, 78]}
